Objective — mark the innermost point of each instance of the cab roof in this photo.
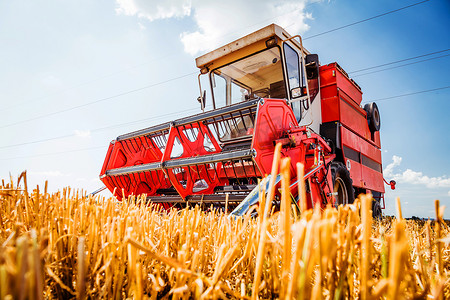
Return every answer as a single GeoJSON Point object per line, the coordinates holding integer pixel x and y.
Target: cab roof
{"type": "Point", "coordinates": [265, 33]}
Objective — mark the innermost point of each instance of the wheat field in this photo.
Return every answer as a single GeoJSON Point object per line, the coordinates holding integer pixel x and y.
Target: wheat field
{"type": "Point", "coordinates": [68, 245]}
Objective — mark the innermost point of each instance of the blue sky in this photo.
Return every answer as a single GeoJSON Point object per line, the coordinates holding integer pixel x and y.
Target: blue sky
{"type": "Point", "coordinates": [76, 74]}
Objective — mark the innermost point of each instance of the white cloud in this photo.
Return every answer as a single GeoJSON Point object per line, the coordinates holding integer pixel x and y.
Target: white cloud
{"type": "Point", "coordinates": [82, 133]}
{"type": "Point", "coordinates": [154, 10]}
{"type": "Point", "coordinates": [219, 22]}
{"type": "Point", "coordinates": [389, 169]}
{"type": "Point", "coordinates": [414, 177]}
{"type": "Point", "coordinates": [211, 17]}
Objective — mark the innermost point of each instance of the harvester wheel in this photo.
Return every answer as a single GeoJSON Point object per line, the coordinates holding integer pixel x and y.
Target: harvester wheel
{"type": "Point", "coordinates": [373, 116]}
{"type": "Point", "coordinates": [342, 184]}
{"type": "Point", "coordinates": [376, 210]}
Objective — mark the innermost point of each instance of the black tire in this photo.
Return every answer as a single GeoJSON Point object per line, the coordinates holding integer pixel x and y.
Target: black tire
{"type": "Point", "coordinates": [373, 116]}
{"type": "Point", "coordinates": [377, 214]}
{"type": "Point", "coordinates": [342, 184]}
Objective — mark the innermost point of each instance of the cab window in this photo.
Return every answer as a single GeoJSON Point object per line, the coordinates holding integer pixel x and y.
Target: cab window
{"type": "Point", "coordinates": [219, 85]}
{"type": "Point", "coordinates": [295, 78]}
{"type": "Point", "coordinates": [258, 75]}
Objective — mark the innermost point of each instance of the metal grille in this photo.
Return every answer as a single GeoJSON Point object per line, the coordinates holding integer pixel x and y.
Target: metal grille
{"type": "Point", "coordinates": [206, 150]}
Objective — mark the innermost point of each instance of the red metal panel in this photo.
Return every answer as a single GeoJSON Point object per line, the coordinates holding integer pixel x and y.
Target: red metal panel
{"type": "Point", "coordinates": [333, 77]}
{"type": "Point", "coordinates": [377, 139]}
{"type": "Point", "coordinates": [340, 101]}
{"type": "Point", "coordinates": [370, 151]}
{"type": "Point", "coordinates": [330, 108]}
{"type": "Point", "coordinates": [347, 86]}
{"type": "Point", "coordinates": [328, 87]}
{"type": "Point", "coordinates": [353, 116]}
{"type": "Point", "coordinates": [355, 172]}
{"type": "Point", "coordinates": [363, 171]}
{"type": "Point", "coordinates": [342, 109]}
{"type": "Point", "coordinates": [373, 180]}
{"type": "Point", "coordinates": [350, 139]}
{"type": "Point", "coordinates": [274, 118]}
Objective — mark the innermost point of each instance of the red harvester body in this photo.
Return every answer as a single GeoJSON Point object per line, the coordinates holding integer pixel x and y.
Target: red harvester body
{"type": "Point", "coordinates": [265, 88]}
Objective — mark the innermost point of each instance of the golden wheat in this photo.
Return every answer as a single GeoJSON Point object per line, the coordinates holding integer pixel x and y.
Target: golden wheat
{"type": "Point", "coordinates": [69, 245]}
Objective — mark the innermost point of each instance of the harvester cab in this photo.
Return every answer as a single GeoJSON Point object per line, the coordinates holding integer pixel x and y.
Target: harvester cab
{"type": "Point", "coordinates": [264, 89]}
{"type": "Point", "coordinates": [270, 64]}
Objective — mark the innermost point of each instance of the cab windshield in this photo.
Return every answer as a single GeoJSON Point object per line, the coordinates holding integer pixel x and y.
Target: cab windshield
{"type": "Point", "coordinates": [259, 75]}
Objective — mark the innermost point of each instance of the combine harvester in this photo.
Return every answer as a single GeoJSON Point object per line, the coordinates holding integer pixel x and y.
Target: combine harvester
{"type": "Point", "coordinates": [265, 88]}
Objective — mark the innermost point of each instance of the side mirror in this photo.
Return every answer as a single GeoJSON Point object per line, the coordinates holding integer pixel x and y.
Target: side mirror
{"type": "Point", "coordinates": [312, 66]}
{"type": "Point", "coordinates": [202, 100]}
{"type": "Point", "coordinates": [298, 92]}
